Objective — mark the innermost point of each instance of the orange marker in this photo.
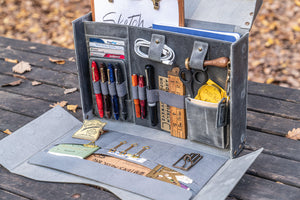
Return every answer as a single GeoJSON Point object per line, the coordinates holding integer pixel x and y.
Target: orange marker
{"type": "Point", "coordinates": [134, 79]}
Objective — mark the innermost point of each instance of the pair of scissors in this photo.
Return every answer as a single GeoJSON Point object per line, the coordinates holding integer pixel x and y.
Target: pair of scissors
{"type": "Point", "coordinates": [188, 77]}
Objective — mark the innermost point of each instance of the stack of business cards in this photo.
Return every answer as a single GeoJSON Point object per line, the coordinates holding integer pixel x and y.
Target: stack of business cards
{"type": "Point", "coordinates": [107, 48]}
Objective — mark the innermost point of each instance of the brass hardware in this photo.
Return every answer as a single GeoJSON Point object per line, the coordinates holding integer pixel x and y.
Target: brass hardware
{"type": "Point", "coordinates": [138, 154]}
{"type": "Point", "coordinates": [110, 1]}
{"type": "Point", "coordinates": [125, 151]}
{"type": "Point", "coordinates": [115, 148]}
{"type": "Point", "coordinates": [156, 4]}
{"type": "Point", "coordinates": [192, 158]}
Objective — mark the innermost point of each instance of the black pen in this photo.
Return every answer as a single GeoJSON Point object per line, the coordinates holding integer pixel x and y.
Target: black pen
{"type": "Point", "coordinates": [120, 80]}
{"type": "Point", "coordinates": [150, 81]}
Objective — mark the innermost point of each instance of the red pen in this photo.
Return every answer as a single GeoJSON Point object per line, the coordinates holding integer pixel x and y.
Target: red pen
{"type": "Point", "coordinates": [142, 97]}
{"type": "Point", "coordinates": [97, 88]}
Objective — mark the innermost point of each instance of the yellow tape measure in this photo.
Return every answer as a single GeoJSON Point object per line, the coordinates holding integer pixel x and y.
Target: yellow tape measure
{"type": "Point", "coordinates": [211, 92]}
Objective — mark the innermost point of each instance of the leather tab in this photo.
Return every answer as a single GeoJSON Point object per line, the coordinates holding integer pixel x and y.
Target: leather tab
{"type": "Point", "coordinates": [222, 113]}
{"type": "Point", "coordinates": [156, 47]}
{"type": "Point", "coordinates": [198, 55]}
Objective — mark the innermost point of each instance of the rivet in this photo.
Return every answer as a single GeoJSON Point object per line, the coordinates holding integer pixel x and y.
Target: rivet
{"type": "Point", "coordinates": [247, 23]}
{"type": "Point", "coordinates": [200, 49]}
{"type": "Point", "coordinates": [235, 152]}
{"type": "Point", "coordinates": [251, 14]}
{"type": "Point", "coordinates": [240, 146]}
{"type": "Point", "coordinates": [157, 41]}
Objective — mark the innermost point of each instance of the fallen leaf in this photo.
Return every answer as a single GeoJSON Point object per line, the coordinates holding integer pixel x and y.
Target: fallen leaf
{"type": "Point", "coordinates": [71, 90]}
{"type": "Point", "coordinates": [35, 83]}
{"type": "Point", "coordinates": [294, 134]}
{"type": "Point", "coordinates": [72, 107]}
{"type": "Point", "coordinates": [19, 76]}
{"type": "Point", "coordinates": [61, 104]}
{"type": "Point", "coordinates": [296, 28]}
{"type": "Point", "coordinates": [72, 59]}
{"type": "Point", "coordinates": [22, 67]}
{"type": "Point", "coordinates": [11, 60]}
{"type": "Point", "coordinates": [7, 131]}
{"type": "Point", "coordinates": [57, 61]}
{"type": "Point", "coordinates": [270, 80]}
{"type": "Point", "coordinates": [14, 83]}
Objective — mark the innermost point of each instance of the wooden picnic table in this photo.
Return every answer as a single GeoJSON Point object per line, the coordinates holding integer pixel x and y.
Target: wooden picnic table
{"type": "Point", "coordinates": [272, 112]}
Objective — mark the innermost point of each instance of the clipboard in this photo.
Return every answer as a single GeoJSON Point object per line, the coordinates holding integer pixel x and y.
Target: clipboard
{"type": "Point", "coordinates": [180, 10]}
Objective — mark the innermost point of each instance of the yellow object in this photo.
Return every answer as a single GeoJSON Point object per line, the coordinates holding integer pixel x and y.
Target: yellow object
{"type": "Point", "coordinates": [90, 130]}
{"type": "Point", "coordinates": [211, 92]}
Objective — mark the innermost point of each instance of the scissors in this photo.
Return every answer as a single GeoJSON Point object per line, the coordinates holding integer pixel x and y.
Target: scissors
{"type": "Point", "coordinates": [188, 77]}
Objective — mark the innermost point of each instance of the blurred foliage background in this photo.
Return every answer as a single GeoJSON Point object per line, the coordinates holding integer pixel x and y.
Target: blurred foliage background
{"type": "Point", "coordinates": [274, 56]}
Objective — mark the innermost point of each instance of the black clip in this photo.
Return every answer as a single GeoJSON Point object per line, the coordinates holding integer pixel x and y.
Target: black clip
{"type": "Point", "coordinates": [192, 158]}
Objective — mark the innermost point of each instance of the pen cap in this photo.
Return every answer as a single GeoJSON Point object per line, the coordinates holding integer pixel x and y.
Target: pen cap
{"type": "Point", "coordinates": [150, 79]}
{"type": "Point", "coordinates": [110, 73]}
{"type": "Point", "coordinates": [134, 79]}
{"type": "Point", "coordinates": [118, 74]}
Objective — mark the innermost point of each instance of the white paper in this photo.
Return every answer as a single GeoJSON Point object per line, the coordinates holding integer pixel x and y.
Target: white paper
{"type": "Point", "coordinates": [139, 13]}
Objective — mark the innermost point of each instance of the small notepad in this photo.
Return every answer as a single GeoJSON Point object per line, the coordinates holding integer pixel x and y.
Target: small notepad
{"type": "Point", "coordinates": [72, 150]}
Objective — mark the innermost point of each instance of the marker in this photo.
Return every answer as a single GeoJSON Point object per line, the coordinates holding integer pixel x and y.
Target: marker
{"type": "Point", "coordinates": [142, 101]}
{"type": "Point", "coordinates": [97, 88]}
{"type": "Point", "coordinates": [149, 69]}
{"type": "Point", "coordinates": [134, 79]}
{"type": "Point", "coordinates": [106, 97]}
{"type": "Point", "coordinates": [120, 80]}
{"type": "Point", "coordinates": [114, 98]}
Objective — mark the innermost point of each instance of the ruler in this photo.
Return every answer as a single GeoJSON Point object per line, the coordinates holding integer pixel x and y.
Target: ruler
{"type": "Point", "coordinates": [177, 115]}
{"type": "Point", "coordinates": [164, 108]}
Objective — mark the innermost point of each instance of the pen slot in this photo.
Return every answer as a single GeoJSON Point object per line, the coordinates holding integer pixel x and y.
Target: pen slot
{"type": "Point", "coordinates": [202, 123]}
{"type": "Point", "coordinates": [112, 89]}
{"type": "Point", "coordinates": [104, 88]}
{"type": "Point", "coordinates": [142, 93]}
{"type": "Point", "coordinates": [121, 89]}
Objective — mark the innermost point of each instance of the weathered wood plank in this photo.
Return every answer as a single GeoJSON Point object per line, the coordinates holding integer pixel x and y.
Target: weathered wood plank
{"type": "Point", "coordinates": [38, 60]}
{"type": "Point", "coordinates": [255, 188]}
{"type": "Point", "coordinates": [12, 121]}
{"type": "Point", "coordinates": [37, 48]}
{"type": "Point", "coordinates": [276, 169]}
{"type": "Point", "coordinates": [9, 196]}
{"type": "Point", "coordinates": [273, 145]}
{"type": "Point", "coordinates": [44, 91]}
{"type": "Point", "coordinates": [274, 91]}
{"type": "Point", "coordinates": [44, 75]}
{"type": "Point", "coordinates": [41, 190]}
{"type": "Point", "coordinates": [270, 124]}
{"type": "Point", "coordinates": [27, 106]}
{"type": "Point", "coordinates": [274, 106]}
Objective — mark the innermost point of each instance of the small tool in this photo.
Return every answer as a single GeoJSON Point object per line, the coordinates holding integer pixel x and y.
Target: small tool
{"type": "Point", "coordinates": [106, 97]}
{"type": "Point", "coordinates": [134, 78]}
{"type": "Point", "coordinates": [97, 88]}
{"type": "Point", "coordinates": [192, 158]}
{"type": "Point", "coordinates": [188, 76]}
{"type": "Point", "coordinates": [138, 154]}
{"type": "Point", "coordinates": [218, 62]}
{"type": "Point", "coordinates": [125, 151]}
{"type": "Point", "coordinates": [142, 101]}
{"type": "Point", "coordinates": [114, 98]}
{"type": "Point", "coordinates": [116, 147]}
{"type": "Point", "coordinates": [149, 70]}
{"type": "Point", "coordinates": [120, 80]}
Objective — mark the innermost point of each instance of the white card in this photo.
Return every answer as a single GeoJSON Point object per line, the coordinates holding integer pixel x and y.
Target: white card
{"type": "Point", "coordinates": [139, 13]}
